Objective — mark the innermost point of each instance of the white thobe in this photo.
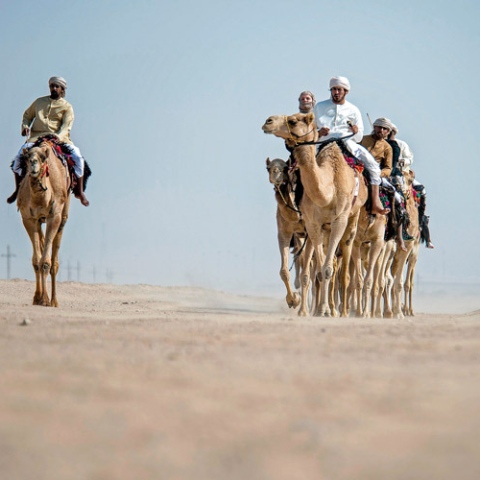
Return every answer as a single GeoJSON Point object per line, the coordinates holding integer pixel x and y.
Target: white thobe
{"type": "Point", "coordinates": [336, 118]}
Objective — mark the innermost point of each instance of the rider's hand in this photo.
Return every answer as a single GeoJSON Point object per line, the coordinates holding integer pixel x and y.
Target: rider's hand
{"type": "Point", "coordinates": [353, 128]}
{"type": "Point", "coordinates": [323, 131]}
{"type": "Point", "coordinates": [26, 132]}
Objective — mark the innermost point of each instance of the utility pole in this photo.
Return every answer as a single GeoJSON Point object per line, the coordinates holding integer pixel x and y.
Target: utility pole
{"type": "Point", "coordinates": [69, 271]}
{"type": "Point", "coordinates": [9, 255]}
{"type": "Point", "coordinates": [109, 275]}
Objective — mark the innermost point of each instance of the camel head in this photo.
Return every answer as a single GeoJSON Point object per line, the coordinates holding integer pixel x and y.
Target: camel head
{"type": "Point", "coordinates": [299, 127]}
{"type": "Point", "coordinates": [277, 171]}
{"type": "Point", "coordinates": [36, 161]}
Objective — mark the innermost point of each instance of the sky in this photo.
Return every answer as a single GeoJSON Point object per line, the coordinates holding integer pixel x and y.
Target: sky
{"type": "Point", "coordinates": [169, 100]}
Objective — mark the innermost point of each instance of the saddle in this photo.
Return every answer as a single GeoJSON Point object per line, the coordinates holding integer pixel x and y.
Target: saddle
{"type": "Point", "coordinates": [63, 151]}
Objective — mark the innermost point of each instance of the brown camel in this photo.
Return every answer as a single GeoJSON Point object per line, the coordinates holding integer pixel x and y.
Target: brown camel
{"type": "Point", "coordinates": [371, 231]}
{"type": "Point", "coordinates": [401, 256]}
{"type": "Point", "coordinates": [410, 278]}
{"type": "Point", "coordinates": [290, 224]}
{"type": "Point", "coordinates": [43, 197]}
{"type": "Point", "coordinates": [333, 195]}
{"type": "Point", "coordinates": [384, 280]}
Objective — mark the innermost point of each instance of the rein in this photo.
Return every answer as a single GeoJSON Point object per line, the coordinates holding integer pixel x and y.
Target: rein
{"type": "Point", "coordinates": [299, 252]}
{"type": "Point", "coordinates": [292, 135]}
{"type": "Point", "coordinates": [298, 143]}
{"type": "Point", "coordinates": [323, 142]}
{"type": "Point", "coordinates": [44, 173]}
{"type": "Point", "coordinates": [294, 208]}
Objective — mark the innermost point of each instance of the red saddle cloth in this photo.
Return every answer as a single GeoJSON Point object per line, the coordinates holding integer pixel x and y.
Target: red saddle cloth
{"type": "Point", "coordinates": [353, 163]}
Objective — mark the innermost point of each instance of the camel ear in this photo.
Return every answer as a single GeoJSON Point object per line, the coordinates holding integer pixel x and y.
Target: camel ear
{"type": "Point", "coordinates": [24, 152]}
{"type": "Point", "coordinates": [309, 118]}
{"type": "Point", "coordinates": [268, 161]}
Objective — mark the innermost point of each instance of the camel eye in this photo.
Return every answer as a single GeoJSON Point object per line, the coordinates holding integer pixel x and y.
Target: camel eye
{"type": "Point", "coordinates": [292, 123]}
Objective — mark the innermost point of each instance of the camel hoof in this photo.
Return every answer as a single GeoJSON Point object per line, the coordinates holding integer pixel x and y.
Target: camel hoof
{"type": "Point", "coordinates": [294, 301]}
{"type": "Point", "coordinates": [42, 301]}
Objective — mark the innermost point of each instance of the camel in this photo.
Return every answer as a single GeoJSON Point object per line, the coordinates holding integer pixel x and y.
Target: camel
{"type": "Point", "coordinates": [401, 256]}
{"type": "Point", "coordinates": [371, 231]}
{"type": "Point", "coordinates": [410, 279]}
{"type": "Point", "coordinates": [290, 224]}
{"type": "Point", "coordinates": [43, 197]}
{"type": "Point", "coordinates": [332, 195]}
{"type": "Point", "coordinates": [383, 284]}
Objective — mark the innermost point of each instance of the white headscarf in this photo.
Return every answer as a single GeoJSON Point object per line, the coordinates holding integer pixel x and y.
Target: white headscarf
{"type": "Point", "coordinates": [340, 82]}
{"type": "Point", "coordinates": [58, 81]}
{"type": "Point", "coordinates": [383, 122]}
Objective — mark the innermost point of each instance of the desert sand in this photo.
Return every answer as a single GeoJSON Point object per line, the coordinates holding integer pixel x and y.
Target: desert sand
{"type": "Point", "coordinates": [147, 382]}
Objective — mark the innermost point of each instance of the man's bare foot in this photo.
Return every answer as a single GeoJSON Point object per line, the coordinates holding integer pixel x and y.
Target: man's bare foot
{"type": "Point", "coordinates": [377, 207]}
{"type": "Point", "coordinates": [83, 199]}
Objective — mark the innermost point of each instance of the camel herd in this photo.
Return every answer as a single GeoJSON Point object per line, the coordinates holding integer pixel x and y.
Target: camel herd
{"type": "Point", "coordinates": [345, 264]}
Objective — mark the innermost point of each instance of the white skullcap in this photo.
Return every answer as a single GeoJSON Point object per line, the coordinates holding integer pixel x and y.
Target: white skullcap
{"type": "Point", "coordinates": [394, 128]}
{"type": "Point", "coordinates": [383, 122]}
{"type": "Point", "coordinates": [340, 82]}
{"type": "Point", "coordinates": [58, 81]}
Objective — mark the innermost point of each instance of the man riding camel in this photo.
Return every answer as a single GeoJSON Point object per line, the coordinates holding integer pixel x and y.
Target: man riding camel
{"type": "Point", "coordinates": [50, 115]}
{"type": "Point", "coordinates": [337, 118]}
{"type": "Point", "coordinates": [306, 102]}
{"type": "Point", "coordinates": [404, 162]}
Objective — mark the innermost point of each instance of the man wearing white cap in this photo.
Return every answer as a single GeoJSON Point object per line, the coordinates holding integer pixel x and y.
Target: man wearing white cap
{"type": "Point", "coordinates": [337, 118]}
{"type": "Point", "coordinates": [50, 115]}
{"type": "Point", "coordinates": [376, 143]}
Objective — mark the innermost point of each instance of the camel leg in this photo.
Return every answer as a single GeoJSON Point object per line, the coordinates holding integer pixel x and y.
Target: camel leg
{"type": "Point", "coordinates": [397, 272]}
{"type": "Point", "coordinates": [53, 224]}
{"type": "Point", "coordinates": [35, 233]}
{"type": "Point", "coordinates": [336, 233]}
{"type": "Point", "coordinates": [305, 279]}
{"type": "Point", "coordinates": [347, 231]}
{"type": "Point", "coordinates": [298, 246]}
{"type": "Point", "coordinates": [388, 279]}
{"type": "Point", "coordinates": [292, 298]}
{"type": "Point", "coordinates": [410, 280]}
{"type": "Point", "coordinates": [356, 284]}
{"type": "Point", "coordinates": [378, 284]}
{"type": "Point", "coordinates": [373, 257]}
{"type": "Point", "coordinates": [55, 262]}
{"type": "Point", "coordinates": [332, 293]}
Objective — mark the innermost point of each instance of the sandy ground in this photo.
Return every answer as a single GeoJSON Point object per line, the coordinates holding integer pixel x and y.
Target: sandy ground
{"type": "Point", "coordinates": [143, 382]}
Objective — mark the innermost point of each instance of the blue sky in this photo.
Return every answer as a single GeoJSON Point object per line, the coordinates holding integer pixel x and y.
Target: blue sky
{"type": "Point", "coordinates": [169, 101]}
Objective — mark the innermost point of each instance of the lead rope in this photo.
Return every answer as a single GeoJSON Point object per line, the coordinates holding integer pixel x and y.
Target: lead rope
{"type": "Point", "coordinates": [286, 203]}
{"type": "Point", "coordinates": [299, 252]}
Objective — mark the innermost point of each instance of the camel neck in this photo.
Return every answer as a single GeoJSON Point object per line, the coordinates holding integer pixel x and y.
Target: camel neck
{"type": "Point", "coordinates": [317, 180]}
